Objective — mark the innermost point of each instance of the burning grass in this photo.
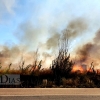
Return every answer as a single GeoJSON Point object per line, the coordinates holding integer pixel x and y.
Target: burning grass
{"type": "Point", "coordinates": [58, 75]}
{"type": "Point", "coordinates": [63, 73]}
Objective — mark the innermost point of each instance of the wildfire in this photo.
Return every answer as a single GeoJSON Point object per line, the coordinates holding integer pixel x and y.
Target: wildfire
{"type": "Point", "coordinates": [89, 70]}
{"type": "Point", "coordinates": [92, 70]}
{"type": "Point", "coordinates": [77, 68]}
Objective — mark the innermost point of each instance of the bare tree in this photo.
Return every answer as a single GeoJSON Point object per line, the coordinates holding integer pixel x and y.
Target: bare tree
{"type": "Point", "coordinates": [62, 64]}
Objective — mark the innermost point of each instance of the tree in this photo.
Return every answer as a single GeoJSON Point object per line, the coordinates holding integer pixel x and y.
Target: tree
{"type": "Point", "coordinates": [62, 65]}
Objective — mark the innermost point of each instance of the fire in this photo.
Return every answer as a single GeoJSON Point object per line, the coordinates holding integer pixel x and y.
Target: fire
{"type": "Point", "coordinates": [98, 71]}
{"type": "Point", "coordinates": [77, 68]}
{"type": "Point", "coordinates": [89, 70]}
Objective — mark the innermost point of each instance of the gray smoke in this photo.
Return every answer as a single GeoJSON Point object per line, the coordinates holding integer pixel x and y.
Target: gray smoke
{"type": "Point", "coordinates": [76, 28]}
{"type": "Point", "coordinates": [90, 51]}
{"type": "Point", "coordinates": [31, 37]}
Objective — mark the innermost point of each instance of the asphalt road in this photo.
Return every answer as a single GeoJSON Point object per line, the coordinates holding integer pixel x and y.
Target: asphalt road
{"type": "Point", "coordinates": [50, 97]}
{"type": "Point", "coordinates": [50, 94]}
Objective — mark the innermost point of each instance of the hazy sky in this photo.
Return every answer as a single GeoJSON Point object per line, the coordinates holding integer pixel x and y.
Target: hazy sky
{"type": "Point", "coordinates": [32, 22]}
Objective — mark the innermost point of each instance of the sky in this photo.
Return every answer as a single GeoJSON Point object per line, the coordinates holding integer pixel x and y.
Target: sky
{"type": "Point", "coordinates": [32, 24]}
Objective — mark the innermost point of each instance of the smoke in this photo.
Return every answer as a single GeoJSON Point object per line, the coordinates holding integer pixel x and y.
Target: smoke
{"type": "Point", "coordinates": [97, 38]}
{"type": "Point", "coordinates": [31, 37]}
{"type": "Point", "coordinates": [28, 35]}
{"type": "Point", "coordinates": [90, 52]}
{"type": "Point", "coordinates": [9, 55]}
{"type": "Point", "coordinates": [84, 52]}
{"type": "Point", "coordinates": [8, 52]}
{"type": "Point", "coordinates": [76, 28]}
{"type": "Point", "coordinates": [16, 55]}
{"type": "Point", "coordinates": [52, 42]}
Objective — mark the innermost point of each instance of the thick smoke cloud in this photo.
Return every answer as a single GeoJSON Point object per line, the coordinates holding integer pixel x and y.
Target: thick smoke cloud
{"type": "Point", "coordinates": [76, 28]}
{"type": "Point", "coordinates": [84, 52]}
{"type": "Point", "coordinates": [52, 42]}
{"type": "Point", "coordinates": [7, 52]}
{"type": "Point", "coordinates": [29, 35]}
{"type": "Point", "coordinates": [30, 38]}
{"type": "Point", "coordinates": [90, 52]}
{"type": "Point", "coordinates": [15, 55]}
{"type": "Point", "coordinates": [97, 37]}
{"type": "Point", "coordinates": [9, 55]}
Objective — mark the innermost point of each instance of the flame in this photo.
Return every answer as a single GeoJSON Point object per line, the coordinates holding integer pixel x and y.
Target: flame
{"type": "Point", "coordinates": [98, 71]}
{"type": "Point", "coordinates": [77, 68]}
{"type": "Point", "coordinates": [89, 70]}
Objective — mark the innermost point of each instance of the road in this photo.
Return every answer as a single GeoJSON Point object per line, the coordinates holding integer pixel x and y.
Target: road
{"type": "Point", "coordinates": [50, 98]}
{"type": "Point", "coordinates": [50, 94]}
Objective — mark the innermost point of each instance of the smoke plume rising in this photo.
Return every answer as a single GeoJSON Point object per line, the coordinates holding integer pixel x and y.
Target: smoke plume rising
{"type": "Point", "coordinates": [76, 28]}
{"type": "Point", "coordinates": [30, 38]}
{"type": "Point", "coordinates": [89, 52]}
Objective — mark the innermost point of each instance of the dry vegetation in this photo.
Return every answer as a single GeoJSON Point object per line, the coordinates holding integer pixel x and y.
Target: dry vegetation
{"type": "Point", "coordinates": [58, 75]}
